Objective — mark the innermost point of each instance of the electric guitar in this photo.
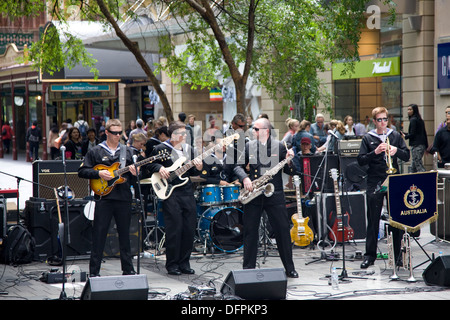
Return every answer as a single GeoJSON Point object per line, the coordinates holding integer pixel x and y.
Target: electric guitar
{"type": "Point", "coordinates": [342, 231]}
{"type": "Point", "coordinates": [301, 234]}
{"type": "Point", "coordinates": [164, 187]}
{"type": "Point", "coordinates": [102, 187]}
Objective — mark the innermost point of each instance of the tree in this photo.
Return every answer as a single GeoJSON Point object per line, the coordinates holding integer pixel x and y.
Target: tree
{"type": "Point", "coordinates": [281, 44]}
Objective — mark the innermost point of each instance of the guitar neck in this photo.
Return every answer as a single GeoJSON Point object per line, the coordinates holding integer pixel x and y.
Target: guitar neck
{"type": "Point", "coordinates": [337, 198]}
{"type": "Point", "coordinates": [299, 202]}
{"type": "Point", "coordinates": [121, 171]}
{"type": "Point", "coordinates": [183, 169]}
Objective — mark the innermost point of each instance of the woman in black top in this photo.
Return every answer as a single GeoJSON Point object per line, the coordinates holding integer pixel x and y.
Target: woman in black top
{"type": "Point", "coordinates": [73, 144]}
{"type": "Point", "coordinates": [417, 136]}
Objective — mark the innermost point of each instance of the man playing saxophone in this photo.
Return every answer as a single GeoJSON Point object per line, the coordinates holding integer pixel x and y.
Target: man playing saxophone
{"type": "Point", "coordinates": [262, 154]}
{"type": "Point", "coordinates": [379, 150]}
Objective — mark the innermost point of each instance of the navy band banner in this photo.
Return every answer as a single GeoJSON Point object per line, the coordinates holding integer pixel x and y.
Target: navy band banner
{"type": "Point", "coordinates": [412, 200]}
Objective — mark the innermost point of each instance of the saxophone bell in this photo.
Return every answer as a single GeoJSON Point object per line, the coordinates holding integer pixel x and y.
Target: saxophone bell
{"type": "Point", "coordinates": [269, 189]}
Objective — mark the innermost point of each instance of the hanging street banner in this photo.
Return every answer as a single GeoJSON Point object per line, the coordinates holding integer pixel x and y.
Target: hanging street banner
{"type": "Point", "coordinates": [412, 200]}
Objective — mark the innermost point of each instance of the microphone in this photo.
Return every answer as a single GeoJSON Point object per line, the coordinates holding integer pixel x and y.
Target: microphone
{"type": "Point", "coordinates": [63, 152]}
{"type": "Point", "coordinates": [333, 134]}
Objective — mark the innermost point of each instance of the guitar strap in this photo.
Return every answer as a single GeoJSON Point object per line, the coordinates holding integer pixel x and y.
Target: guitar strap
{"type": "Point", "coordinates": [307, 173]}
{"type": "Point", "coordinates": [123, 155]}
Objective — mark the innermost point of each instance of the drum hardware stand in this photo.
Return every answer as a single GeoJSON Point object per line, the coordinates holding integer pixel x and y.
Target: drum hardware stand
{"type": "Point", "coordinates": [156, 228]}
{"type": "Point", "coordinates": [265, 237]}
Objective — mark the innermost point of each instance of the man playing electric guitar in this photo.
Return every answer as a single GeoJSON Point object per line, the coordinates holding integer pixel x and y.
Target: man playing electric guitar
{"type": "Point", "coordinates": [116, 203]}
{"type": "Point", "coordinates": [179, 208]}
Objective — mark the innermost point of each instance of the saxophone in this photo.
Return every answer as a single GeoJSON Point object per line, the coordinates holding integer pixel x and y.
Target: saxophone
{"type": "Point", "coordinates": [262, 185]}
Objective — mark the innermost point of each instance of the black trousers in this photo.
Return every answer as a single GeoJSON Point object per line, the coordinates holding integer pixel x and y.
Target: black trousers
{"type": "Point", "coordinates": [374, 208]}
{"type": "Point", "coordinates": [275, 208]}
{"type": "Point", "coordinates": [104, 211]}
{"type": "Point", "coordinates": [180, 218]}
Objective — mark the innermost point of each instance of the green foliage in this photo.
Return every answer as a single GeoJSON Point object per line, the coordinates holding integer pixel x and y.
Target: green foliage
{"type": "Point", "coordinates": [293, 41]}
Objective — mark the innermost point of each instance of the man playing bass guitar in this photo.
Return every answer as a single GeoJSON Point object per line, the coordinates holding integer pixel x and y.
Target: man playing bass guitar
{"type": "Point", "coordinates": [179, 208]}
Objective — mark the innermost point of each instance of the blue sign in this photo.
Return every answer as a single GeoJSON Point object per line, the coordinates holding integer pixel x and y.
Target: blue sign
{"type": "Point", "coordinates": [412, 199]}
{"type": "Point", "coordinates": [443, 66]}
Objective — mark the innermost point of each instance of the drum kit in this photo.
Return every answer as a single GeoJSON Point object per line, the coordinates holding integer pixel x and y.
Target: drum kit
{"type": "Point", "coordinates": [219, 218]}
{"type": "Point", "coordinates": [220, 224]}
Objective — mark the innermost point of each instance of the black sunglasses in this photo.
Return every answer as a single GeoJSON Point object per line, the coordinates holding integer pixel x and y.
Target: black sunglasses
{"type": "Point", "coordinates": [257, 129]}
{"type": "Point", "coordinates": [115, 132]}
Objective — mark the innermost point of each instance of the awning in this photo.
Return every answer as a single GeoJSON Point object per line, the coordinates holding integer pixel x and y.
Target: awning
{"type": "Point", "coordinates": [112, 64]}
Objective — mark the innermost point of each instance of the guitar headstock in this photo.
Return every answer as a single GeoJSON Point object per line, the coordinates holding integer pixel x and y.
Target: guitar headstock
{"type": "Point", "coordinates": [229, 139]}
{"type": "Point", "coordinates": [164, 155]}
{"type": "Point", "coordinates": [334, 174]}
{"type": "Point", "coordinates": [297, 181]}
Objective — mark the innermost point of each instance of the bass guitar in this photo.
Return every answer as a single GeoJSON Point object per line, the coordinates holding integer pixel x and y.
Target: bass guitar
{"type": "Point", "coordinates": [301, 234]}
{"type": "Point", "coordinates": [164, 187]}
{"type": "Point", "coordinates": [341, 229]}
{"type": "Point", "coordinates": [102, 187]}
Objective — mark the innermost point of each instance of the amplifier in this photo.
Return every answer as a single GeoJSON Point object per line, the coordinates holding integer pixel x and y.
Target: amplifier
{"type": "Point", "coordinates": [349, 147]}
{"type": "Point", "coordinates": [41, 219]}
{"type": "Point", "coordinates": [353, 203]}
{"type": "Point", "coordinates": [50, 174]}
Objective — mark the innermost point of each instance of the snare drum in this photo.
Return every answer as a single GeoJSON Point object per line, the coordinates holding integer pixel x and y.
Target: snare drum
{"type": "Point", "coordinates": [230, 193]}
{"type": "Point", "coordinates": [209, 195]}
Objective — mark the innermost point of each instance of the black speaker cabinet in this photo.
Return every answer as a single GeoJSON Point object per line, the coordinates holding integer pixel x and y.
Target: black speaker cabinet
{"type": "Point", "coordinates": [132, 287]}
{"type": "Point", "coordinates": [41, 219]}
{"type": "Point", "coordinates": [112, 239]}
{"type": "Point", "coordinates": [50, 173]}
{"type": "Point", "coordinates": [353, 203]}
{"type": "Point", "coordinates": [443, 222]}
{"type": "Point", "coordinates": [3, 218]}
{"type": "Point", "coordinates": [316, 168]}
{"type": "Point", "coordinates": [255, 284]}
{"type": "Point", "coordinates": [438, 272]}
{"type": "Point", "coordinates": [355, 176]}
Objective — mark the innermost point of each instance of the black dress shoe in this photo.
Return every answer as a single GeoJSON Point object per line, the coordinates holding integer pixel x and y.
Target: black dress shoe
{"type": "Point", "coordinates": [187, 271]}
{"type": "Point", "coordinates": [129, 273]}
{"type": "Point", "coordinates": [292, 274]}
{"type": "Point", "coordinates": [366, 263]}
{"type": "Point", "coordinates": [174, 272]}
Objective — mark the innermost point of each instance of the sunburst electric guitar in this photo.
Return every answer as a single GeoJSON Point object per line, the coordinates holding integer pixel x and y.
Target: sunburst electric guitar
{"type": "Point", "coordinates": [301, 234]}
{"type": "Point", "coordinates": [102, 187]}
{"type": "Point", "coordinates": [164, 187]}
{"type": "Point", "coordinates": [342, 231]}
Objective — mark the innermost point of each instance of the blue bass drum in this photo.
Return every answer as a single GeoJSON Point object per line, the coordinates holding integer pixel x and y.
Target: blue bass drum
{"type": "Point", "coordinates": [223, 228]}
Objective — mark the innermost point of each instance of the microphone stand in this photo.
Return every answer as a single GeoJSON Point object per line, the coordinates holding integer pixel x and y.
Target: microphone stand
{"type": "Point", "coordinates": [65, 226]}
{"type": "Point", "coordinates": [323, 255]}
{"type": "Point", "coordinates": [142, 217]}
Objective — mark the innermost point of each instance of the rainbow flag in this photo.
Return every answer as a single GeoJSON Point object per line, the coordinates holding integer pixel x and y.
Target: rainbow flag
{"type": "Point", "coordinates": [215, 94]}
